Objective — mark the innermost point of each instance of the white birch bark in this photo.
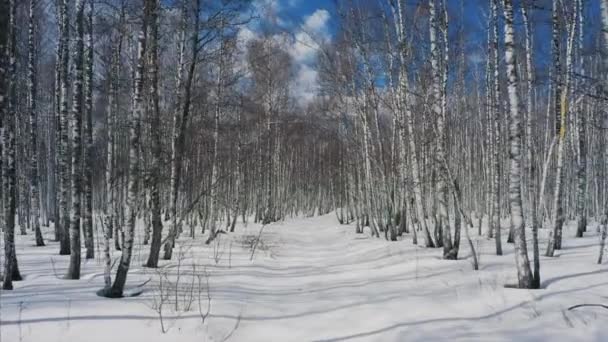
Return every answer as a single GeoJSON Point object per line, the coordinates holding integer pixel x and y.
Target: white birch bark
{"type": "Point", "coordinates": [530, 145]}
{"type": "Point", "coordinates": [32, 93]}
{"type": "Point", "coordinates": [155, 205]}
{"type": "Point", "coordinates": [177, 133]}
{"type": "Point", "coordinates": [581, 190]}
{"type": "Point", "coordinates": [442, 176]}
{"type": "Point", "coordinates": [76, 126]}
{"type": "Point", "coordinates": [604, 228]}
{"type": "Point", "coordinates": [408, 137]}
{"type": "Point", "coordinates": [8, 115]}
{"type": "Point", "coordinates": [524, 273]}
{"type": "Point", "coordinates": [495, 125]}
{"type": "Point", "coordinates": [87, 223]}
{"type": "Point", "coordinates": [64, 158]}
{"type": "Point", "coordinates": [131, 213]}
{"type": "Point", "coordinates": [213, 209]}
{"type": "Point", "coordinates": [558, 218]}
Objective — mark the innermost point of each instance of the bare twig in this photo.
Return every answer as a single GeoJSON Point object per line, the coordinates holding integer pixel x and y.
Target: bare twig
{"type": "Point", "coordinates": [256, 242]}
{"type": "Point", "coordinates": [592, 305]}
{"type": "Point", "coordinates": [236, 326]}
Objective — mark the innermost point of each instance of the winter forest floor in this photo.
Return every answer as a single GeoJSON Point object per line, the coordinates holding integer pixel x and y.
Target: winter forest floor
{"type": "Point", "coordinates": [310, 280]}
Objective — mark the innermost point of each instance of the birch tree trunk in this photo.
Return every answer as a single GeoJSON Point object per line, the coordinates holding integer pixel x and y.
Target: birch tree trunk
{"type": "Point", "coordinates": [524, 273]}
{"type": "Point", "coordinates": [174, 186]}
{"type": "Point", "coordinates": [495, 125]}
{"type": "Point", "coordinates": [604, 228]}
{"type": "Point", "coordinates": [180, 132]}
{"type": "Point", "coordinates": [238, 187]}
{"type": "Point", "coordinates": [581, 191]}
{"type": "Point", "coordinates": [32, 93]}
{"type": "Point", "coordinates": [64, 158]}
{"type": "Point", "coordinates": [8, 115]}
{"type": "Point", "coordinates": [109, 214]}
{"type": "Point", "coordinates": [55, 189]}
{"type": "Point", "coordinates": [134, 123]}
{"type": "Point", "coordinates": [440, 164]}
{"type": "Point", "coordinates": [157, 224]}
{"type": "Point", "coordinates": [530, 145]}
{"type": "Point", "coordinates": [87, 222]}
{"type": "Point", "coordinates": [410, 140]}
{"type": "Point", "coordinates": [555, 236]}
{"type": "Point", "coordinates": [76, 117]}
{"type": "Point", "coordinates": [216, 126]}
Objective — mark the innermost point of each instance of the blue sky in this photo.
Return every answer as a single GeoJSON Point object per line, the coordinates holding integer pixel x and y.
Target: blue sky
{"type": "Point", "coordinates": [308, 21]}
{"type": "Point", "coordinates": [305, 23]}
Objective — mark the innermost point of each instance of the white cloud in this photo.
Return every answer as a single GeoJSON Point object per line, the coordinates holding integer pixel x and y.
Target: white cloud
{"type": "Point", "coordinates": [293, 3]}
{"type": "Point", "coordinates": [305, 84]}
{"type": "Point", "coordinates": [307, 38]}
{"type": "Point", "coordinates": [302, 45]}
{"type": "Point", "coordinates": [304, 48]}
{"type": "Point", "coordinates": [317, 22]}
{"type": "Point", "coordinates": [304, 51]}
{"type": "Point", "coordinates": [244, 36]}
{"type": "Point", "coordinates": [265, 6]}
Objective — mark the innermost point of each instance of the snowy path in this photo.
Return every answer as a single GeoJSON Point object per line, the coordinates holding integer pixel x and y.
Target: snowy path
{"type": "Point", "coordinates": [313, 280]}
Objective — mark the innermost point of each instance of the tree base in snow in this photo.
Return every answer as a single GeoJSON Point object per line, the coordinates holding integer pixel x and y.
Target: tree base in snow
{"type": "Point", "coordinates": [108, 293]}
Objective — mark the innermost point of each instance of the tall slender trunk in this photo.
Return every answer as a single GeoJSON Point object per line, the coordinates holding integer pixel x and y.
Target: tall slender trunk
{"type": "Point", "coordinates": [109, 212]}
{"type": "Point", "coordinates": [408, 137]}
{"type": "Point", "coordinates": [495, 127]}
{"type": "Point", "coordinates": [216, 127]}
{"type": "Point", "coordinates": [8, 115]}
{"type": "Point", "coordinates": [155, 205]}
{"type": "Point", "coordinates": [174, 181]}
{"type": "Point", "coordinates": [56, 140]}
{"type": "Point", "coordinates": [87, 224]}
{"type": "Point", "coordinates": [581, 191]}
{"type": "Point", "coordinates": [489, 130]}
{"type": "Point", "coordinates": [134, 123]}
{"type": "Point", "coordinates": [32, 93]}
{"type": "Point", "coordinates": [64, 157]}
{"type": "Point", "coordinates": [440, 164]}
{"type": "Point", "coordinates": [239, 190]}
{"type": "Point", "coordinates": [181, 122]}
{"type": "Point", "coordinates": [604, 229]}
{"type": "Point", "coordinates": [76, 117]}
{"type": "Point", "coordinates": [524, 273]}
{"type": "Point", "coordinates": [555, 236]}
{"type": "Point", "coordinates": [530, 146]}
{"type": "Point", "coordinates": [268, 215]}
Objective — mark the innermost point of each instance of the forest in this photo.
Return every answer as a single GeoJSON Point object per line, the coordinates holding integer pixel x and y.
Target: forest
{"type": "Point", "coordinates": [253, 170]}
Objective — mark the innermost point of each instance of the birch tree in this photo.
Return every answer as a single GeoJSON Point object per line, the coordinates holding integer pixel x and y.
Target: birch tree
{"type": "Point", "coordinates": [581, 190]}
{"type": "Point", "coordinates": [495, 143]}
{"type": "Point", "coordinates": [32, 94]}
{"type": "Point", "coordinates": [87, 223]}
{"type": "Point", "coordinates": [221, 72]}
{"type": "Point", "coordinates": [604, 226]}
{"type": "Point", "coordinates": [155, 181]}
{"type": "Point", "coordinates": [524, 273]}
{"type": "Point", "coordinates": [531, 160]}
{"type": "Point", "coordinates": [557, 221]}
{"type": "Point", "coordinates": [134, 140]}
{"type": "Point", "coordinates": [76, 118]}
{"type": "Point", "coordinates": [64, 157]}
{"type": "Point", "coordinates": [180, 123]}
{"type": "Point", "coordinates": [442, 180]}
{"type": "Point", "coordinates": [408, 137]}
{"type": "Point", "coordinates": [8, 115]}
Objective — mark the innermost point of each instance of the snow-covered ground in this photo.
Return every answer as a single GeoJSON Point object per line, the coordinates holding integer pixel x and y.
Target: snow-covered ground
{"type": "Point", "coordinates": [311, 280]}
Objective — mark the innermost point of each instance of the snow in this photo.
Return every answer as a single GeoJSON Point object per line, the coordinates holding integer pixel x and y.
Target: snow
{"type": "Point", "coordinates": [312, 279]}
